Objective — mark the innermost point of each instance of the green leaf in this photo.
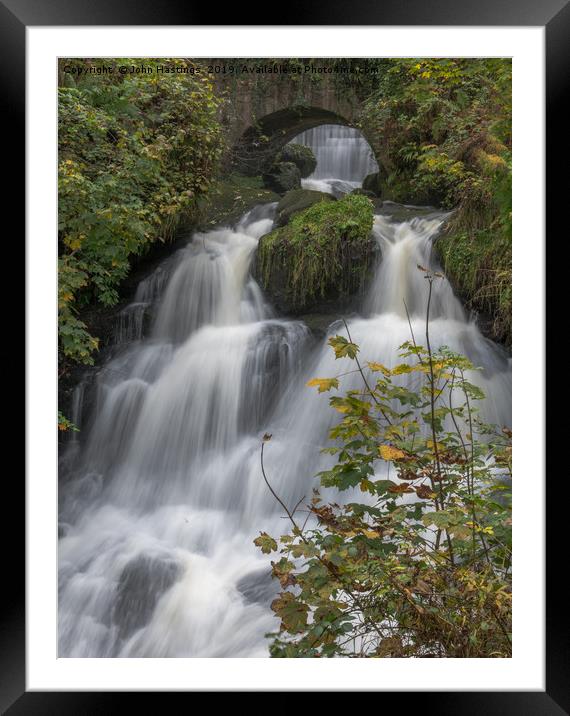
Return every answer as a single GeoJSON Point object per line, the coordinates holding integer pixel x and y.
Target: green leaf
{"type": "Point", "coordinates": [343, 348]}
{"type": "Point", "coordinates": [266, 543]}
{"type": "Point", "coordinates": [293, 613]}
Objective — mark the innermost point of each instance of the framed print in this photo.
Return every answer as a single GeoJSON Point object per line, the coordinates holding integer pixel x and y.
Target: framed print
{"type": "Point", "coordinates": [292, 308]}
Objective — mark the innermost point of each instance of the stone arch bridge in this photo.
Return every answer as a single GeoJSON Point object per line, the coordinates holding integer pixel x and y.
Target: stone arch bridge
{"type": "Point", "coordinates": [264, 111]}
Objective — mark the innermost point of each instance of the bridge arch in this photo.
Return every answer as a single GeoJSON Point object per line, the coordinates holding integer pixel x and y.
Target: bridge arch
{"type": "Point", "coordinates": [255, 150]}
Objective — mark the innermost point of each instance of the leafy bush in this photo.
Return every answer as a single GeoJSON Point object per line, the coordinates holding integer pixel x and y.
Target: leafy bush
{"type": "Point", "coordinates": [422, 568]}
{"type": "Point", "coordinates": [476, 249]}
{"type": "Point", "coordinates": [136, 151]}
{"type": "Point", "coordinates": [442, 128]}
{"type": "Point", "coordinates": [431, 119]}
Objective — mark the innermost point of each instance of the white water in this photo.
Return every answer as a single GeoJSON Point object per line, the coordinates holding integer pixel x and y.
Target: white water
{"type": "Point", "coordinates": [166, 494]}
{"type": "Point", "coordinates": [344, 158]}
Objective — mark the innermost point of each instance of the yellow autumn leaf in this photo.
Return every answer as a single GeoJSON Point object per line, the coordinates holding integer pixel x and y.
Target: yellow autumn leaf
{"type": "Point", "coordinates": [402, 368]}
{"type": "Point", "coordinates": [342, 408]}
{"type": "Point", "coordinates": [379, 368]}
{"type": "Point", "coordinates": [74, 243]}
{"type": "Point", "coordinates": [371, 534]}
{"type": "Point", "coordinates": [323, 384]}
{"type": "Point", "coordinates": [389, 452]}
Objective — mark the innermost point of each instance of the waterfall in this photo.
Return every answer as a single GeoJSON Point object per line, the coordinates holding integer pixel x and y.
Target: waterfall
{"type": "Point", "coordinates": [156, 554]}
{"type": "Point", "coordinates": [344, 158]}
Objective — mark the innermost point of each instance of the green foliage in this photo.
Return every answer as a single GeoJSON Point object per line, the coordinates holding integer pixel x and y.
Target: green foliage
{"type": "Point", "coordinates": [298, 200]}
{"type": "Point", "coordinates": [230, 197]}
{"type": "Point", "coordinates": [64, 424]}
{"type": "Point", "coordinates": [265, 543]}
{"type": "Point", "coordinates": [431, 121]}
{"type": "Point", "coordinates": [476, 252]}
{"type": "Point", "coordinates": [136, 152]}
{"type": "Point", "coordinates": [422, 566]}
{"type": "Point", "coordinates": [327, 246]}
{"type": "Point", "coordinates": [442, 128]}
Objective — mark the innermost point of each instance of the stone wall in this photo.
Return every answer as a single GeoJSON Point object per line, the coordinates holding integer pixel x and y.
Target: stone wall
{"type": "Point", "coordinates": [265, 110]}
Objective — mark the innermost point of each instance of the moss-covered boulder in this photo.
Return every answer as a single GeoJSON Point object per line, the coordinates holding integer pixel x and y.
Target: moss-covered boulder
{"type": "Point", "coordinates": [301, 156]}
{"type": "Point", "coordinates": [364, 192]}
{"type": "Point", "coordinates": [322, 255]}
{"type": "Point", "coordinates": [476, 253]}
{"type": "Point", "coordinates": [376, 201]}
{"type": "Point", "coordinates": [372, 183]}
{"type": "Point", "coordinates": [282, 177]}
{"type": "Point", "coordinates": [230, 198]}
{"type": "Point", "coordinates": [298, 200]}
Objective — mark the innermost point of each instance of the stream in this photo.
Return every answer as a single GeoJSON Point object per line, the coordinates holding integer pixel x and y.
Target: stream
{"type": "Point", "coordinates": [165, 493]}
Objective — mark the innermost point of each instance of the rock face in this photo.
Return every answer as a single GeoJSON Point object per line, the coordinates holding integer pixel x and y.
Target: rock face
{"type": "Point", "coordinates": [298, 200]}
{"type": "Point", "coordinates": [282, 177]}
{"type": "Point", "coordinates": [320, 258]}
{"type": "Point", "coordinates": [258, 587]}
{"type": "Point", "coordinates": [301, 156]}
{"type": "Point", "coordinates": [372, 183]}
{"type": "Point", "coordinates": [142, 582]}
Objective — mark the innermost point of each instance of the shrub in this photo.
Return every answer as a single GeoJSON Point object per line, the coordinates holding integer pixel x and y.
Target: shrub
{"type": "Point", "coordinates": [135, 153]}
{"type": "Point", "coordinates": [442, 128]}
{"type": "Point", "coordinates": [423, 567]}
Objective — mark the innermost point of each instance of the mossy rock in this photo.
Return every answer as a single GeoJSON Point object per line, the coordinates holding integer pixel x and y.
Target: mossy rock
{"type": "Point", "coordinates": [282, 177]}
{"type": "Point", "coordinates": [364, 192]}
{"type": "Point", "coordinates": [376, 201]}
{"type": "Point", "coordinates": [478, 263]}
{"type": "Point", "coordinates": [323, 255]}
{"type": "Point", "coordinates": [298, 200]}
{"type": "Point", "coordinates": [301, 156]}
{"type": "Point", "coordinates": [475, 250]}
{"type": "Point", "coordinates": [230, 198]}
{"type": "Point", "coordinates": [319, 323]}
{"type": "Point", "coordinates": [372, 183]}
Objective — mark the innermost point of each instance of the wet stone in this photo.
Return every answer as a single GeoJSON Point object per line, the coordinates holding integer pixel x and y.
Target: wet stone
{"type": "Point", "coordinates": [142, 582]}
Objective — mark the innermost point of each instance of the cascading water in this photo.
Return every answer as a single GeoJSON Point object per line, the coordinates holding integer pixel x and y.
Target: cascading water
{"type": "Point", "coordinates": [166, 495]}
{"type": "Point", "coordinates": [344, 158]}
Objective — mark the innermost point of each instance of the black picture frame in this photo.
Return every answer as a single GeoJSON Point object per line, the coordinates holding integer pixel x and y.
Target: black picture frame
{"type": "Point", "coordinates": [554, 15]}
